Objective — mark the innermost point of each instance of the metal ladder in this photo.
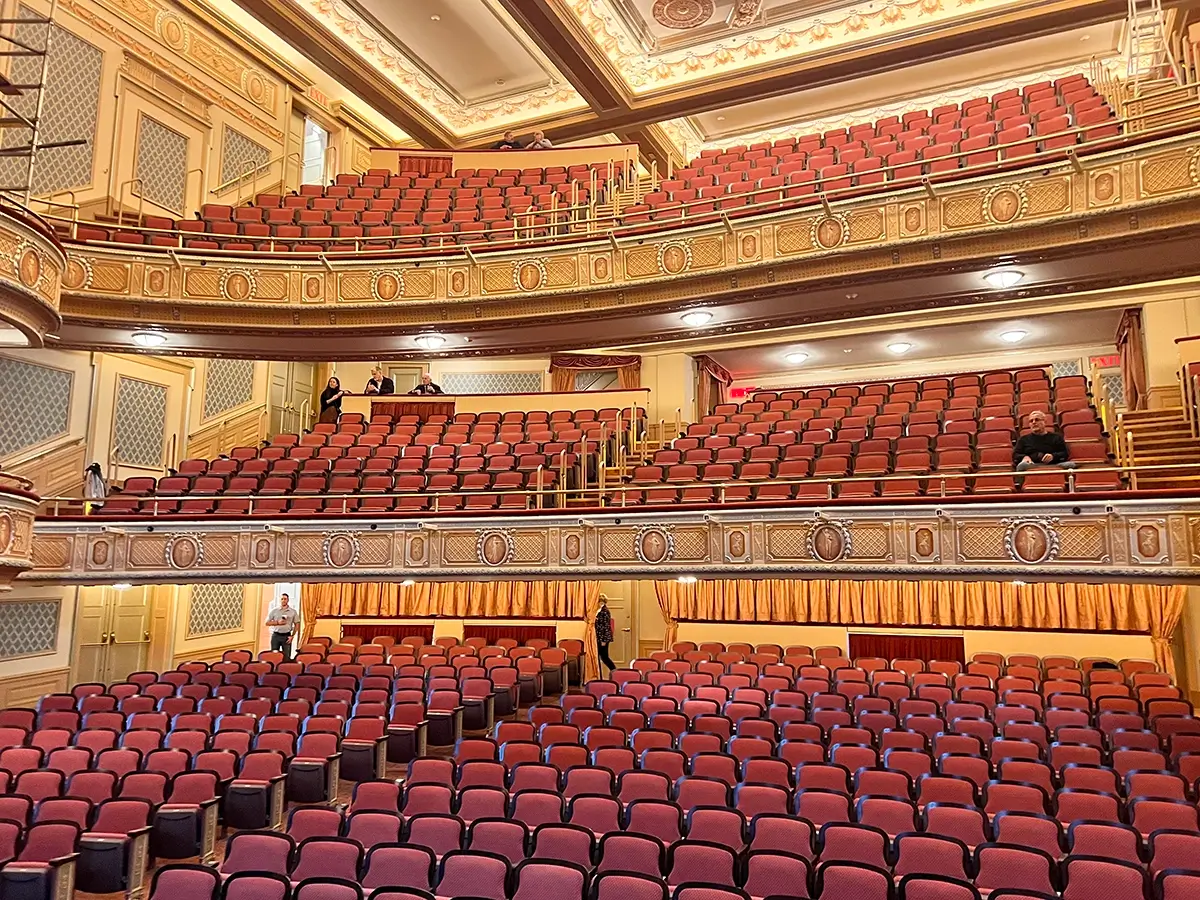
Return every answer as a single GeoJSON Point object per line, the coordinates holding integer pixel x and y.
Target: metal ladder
{"type": "Point", "coordinates": [1148, 60]}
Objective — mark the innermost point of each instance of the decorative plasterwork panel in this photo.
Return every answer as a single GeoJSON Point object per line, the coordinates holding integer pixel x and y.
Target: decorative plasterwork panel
{"type": "Point", "coordinates": [1031, 210]}
{"type": "Point", "coordinates": [754, 48]}
{"type": "Point", "coordinates": [215, 608]}
{"type": "Point", "coordinates": [1087, 541]}
{"type": "Point", "coordinates": [240, 155]}
{"type": "Point", "coordinates": [492, 382]}
{"type": "Point", "coordinates": [162, 156]}
{"type": "Point", "coordinates": [28, 627]}
{"type": "Point", "coordinates": [37, 404]}
{"type": "Point", "coordinates": [249, 82]}
{"type": "Point", "coordinates": [228, 384]}
{"type": "Point", "coordinates": [359, 36]}
{"type": "Point", "coordinates": [140, 422]}
{"type": "Point", "coordinates": [70, 105]}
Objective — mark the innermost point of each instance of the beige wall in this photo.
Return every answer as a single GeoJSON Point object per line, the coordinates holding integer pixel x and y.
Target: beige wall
{"type": "Point", "coordinates": [671, 378]}
{"type": "Point", "coordinates": [25, 679]}
{"type": "Point", "coordinates": [211, 646]}
{"type": "Point", "coordinates": [1162, 322]}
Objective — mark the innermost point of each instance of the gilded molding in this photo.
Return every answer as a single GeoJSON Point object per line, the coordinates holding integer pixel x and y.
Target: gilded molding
{"type": "Point", "coordinates": [1030, 541]}
{"type": "Point", "coordinates": [18, 505]}
{"type": "Point", "coordinates": [31, 272]}
{"type": "Point", "coordinates": [1116, 195]}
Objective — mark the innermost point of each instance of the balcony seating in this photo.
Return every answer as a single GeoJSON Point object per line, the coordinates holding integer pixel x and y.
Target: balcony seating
{"type": "Point", "coordinates": [474, 454]}
{"type": "Point", "coordinates": [713, 771]}
{"type": "Point", "coordinates": [406, 211]}
{"type": "Point", "coordinates": [937, 436]}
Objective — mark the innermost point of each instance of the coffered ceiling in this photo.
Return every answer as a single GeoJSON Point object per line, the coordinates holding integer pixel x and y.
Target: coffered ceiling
{"type": "Point", "coordinates": [670, 74]}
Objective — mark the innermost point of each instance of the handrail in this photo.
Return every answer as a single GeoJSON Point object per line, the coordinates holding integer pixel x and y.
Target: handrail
{"type": "Point", "coordinates": [620, 224]}
{"type": "Point", "coordinates": [943, 480]}
{"type": "Point", "coordinates": [141, 195]}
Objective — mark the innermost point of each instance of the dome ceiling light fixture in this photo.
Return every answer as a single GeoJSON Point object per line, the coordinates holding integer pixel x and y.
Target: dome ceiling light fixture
{"type": "Point", "coordinates": [796, 358]}
{"type": "Point", "coordinates": [1003, 279]}
{"type": "Point", "coordinates": [900, 347]}
{"type": "Point", "coordinates": [430, 341]}
{"type": "Point", "coordinates": [149, 339]}
{"type": "Point", "coordinates": [687, 579]}
{"type": "Point", "coordinates": [697, 318]}
{"type": "Point", "coordinates": [1013, 337]}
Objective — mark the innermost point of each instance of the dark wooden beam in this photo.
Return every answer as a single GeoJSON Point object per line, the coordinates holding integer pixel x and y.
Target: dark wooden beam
{"type": "Point", "coordinates": [310, 38]}
{"type": "Point", "coordinates": [572, 51]}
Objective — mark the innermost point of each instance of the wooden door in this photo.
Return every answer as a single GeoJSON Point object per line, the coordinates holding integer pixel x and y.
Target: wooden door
{"type": "Point", "coordinates": [91, 633]}
{"type": "Point", "coordinates": [618, 608]}
{"type": "Point", "coordinates": [129, 644]}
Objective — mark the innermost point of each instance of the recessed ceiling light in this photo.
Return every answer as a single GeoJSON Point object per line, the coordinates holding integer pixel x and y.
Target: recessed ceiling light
{"type": "Point", "coordinates": [149, 338]}
{"type": "Point", "coordinates": [848, 350]}
{"type": "Point", "coordinates": [435, 18]}
{"type": "Point", "coordinates": [1002, 279]}
{"type": "Point", "coordinates": [687, 579]}
{"type": "Point", "coordinates": [500, 81]}
{"type": "Point", "coordinates": [122, 586]}
{"type": "Point", "coordinates": [796, 358]}
{"type": "Point", "coordinates": [720, 118]}
{"type": "Point", "coordinates": [408, 582]}
{"type": "Point", "coordinates": [697, 318]}
{"type": "Point", "coordinates": [900, 347]}
{"type": "Point", "coordinates": [430, 341]}
{"type": "Point", "coordinates": [1013, 337]}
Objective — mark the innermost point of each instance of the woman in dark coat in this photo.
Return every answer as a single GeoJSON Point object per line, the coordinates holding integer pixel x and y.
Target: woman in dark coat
{"type": "Point", "coordinates": [331, 401]}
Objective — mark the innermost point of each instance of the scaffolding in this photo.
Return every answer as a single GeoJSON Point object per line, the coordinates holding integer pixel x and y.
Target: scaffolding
{"type": "Point", "coordinates": [14, 96]}
{"type": "Point", "coordinates": [1148, 61]}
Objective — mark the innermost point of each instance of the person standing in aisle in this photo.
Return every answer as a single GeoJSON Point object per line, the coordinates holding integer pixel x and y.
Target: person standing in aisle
{"type": "Point", "coordinates": [281, 619]}
{"type": "Point", "coordinates": [604, 633]}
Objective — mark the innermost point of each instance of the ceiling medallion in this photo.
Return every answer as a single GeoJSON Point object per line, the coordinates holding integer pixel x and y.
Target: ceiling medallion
{"type": "Point", "coordinates": [184, 551]}
{"type": "Point", "coordinates": [387, 285]}
{"type": "Point", "coordinates": [830, 231]}
{"type": "Point", "coordinates": [529, 274]}
{"type": "Point", "coordinates": [1004, 203]}
{"type": "Point", "coordinates": [495, 548]}
{"type": "Point", "coordinates": [654, 544]}
{"type": "Point", "coordinates": [830, 540]}
{"type": "Point", "coordinates": [238, 284]}
{"type": "Point", "coordinates": [674, 257]}
{"type": "Point", "coordinates": [682, 14]}
{"type": "Point", "coordinates": [341, 549]}
{"type": "Point", "coordinates": [1031, 540]}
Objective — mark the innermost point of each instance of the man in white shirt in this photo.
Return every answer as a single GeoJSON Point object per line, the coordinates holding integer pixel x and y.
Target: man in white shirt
{"type": "Point", "coordinates": [281, 619]}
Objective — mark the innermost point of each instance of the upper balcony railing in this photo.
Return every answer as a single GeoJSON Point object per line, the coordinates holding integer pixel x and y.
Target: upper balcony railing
{"type": "Point", "coordinates": [613, 209]}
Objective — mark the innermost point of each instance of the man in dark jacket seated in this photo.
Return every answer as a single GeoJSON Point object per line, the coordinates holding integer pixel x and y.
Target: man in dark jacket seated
{"type": "Point", "coordinates": [1041, 447]}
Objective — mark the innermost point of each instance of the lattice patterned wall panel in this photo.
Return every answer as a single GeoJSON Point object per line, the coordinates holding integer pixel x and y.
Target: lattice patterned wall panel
{"type": "Point", "coordinates": [37, 404]}
{"type": "Point", "coordinates": [1114, 386]}
{"type": "Point", "coordinates": [228, 384]}
{"type": "Point", "coordinates": [1065, 367]}
{"type": "Point", "coordinates": [162, 154]}
{"type": "Point", "coordinates": [140, 422]}
{"type": "Point", "coordinates": [216, 608]}
{"type": "Point", "coordinates": [69, 109]}
{"type": "Point", "coordinates": [28, 627]}
{"type": "Point", "coordinates": [240, 155]}
{"type": "Point", "coordinates": [492, 382]}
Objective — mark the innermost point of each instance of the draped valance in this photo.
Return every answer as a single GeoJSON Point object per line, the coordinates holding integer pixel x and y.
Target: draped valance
{"type": "Point", "coordinates": [1138, 608]}
{"type": "Point", "coordinates": [563, 367]}
{"type": "Point", "coordinates": [459, 600]}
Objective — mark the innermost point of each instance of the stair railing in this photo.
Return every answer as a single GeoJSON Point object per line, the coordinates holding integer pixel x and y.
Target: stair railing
{"type": "Point", "coordinates": [1130, 460]}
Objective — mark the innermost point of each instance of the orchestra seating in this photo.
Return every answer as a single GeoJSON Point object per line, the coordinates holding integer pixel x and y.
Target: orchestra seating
{"type": "Point", "coordinates": [932, 436]}
{"type": "Point", "coordinates": [382, 210]}
{"type": "Point", "coordinates": [702, 773]}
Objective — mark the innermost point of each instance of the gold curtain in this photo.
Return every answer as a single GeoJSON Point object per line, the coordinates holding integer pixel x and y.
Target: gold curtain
{"type": "Point", "coordinates": [1146, 609]}
{"type": "Point", "coordinates": [1131, 347]}
{"type": "Point", "coordinates": [460, 600]}
{"type": "Point", "coordinates": [629, 377]}
{"type": "Point", "coordinates": [308, 613]}
{"type": "Point", "coordinates": [671, 631]}
{"type": "Point", "coordinates": [562, 381]}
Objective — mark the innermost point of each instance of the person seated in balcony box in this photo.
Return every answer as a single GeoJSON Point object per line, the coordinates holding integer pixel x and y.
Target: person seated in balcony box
{"type": "Point", "coordinates": [379, 383]}
{"type": "Point", "coordinates": [510, 142]}
{"type": "Point", "coordinates": [1041, 446]}
{"type": "Point", "coordinates": [426, 386]}
{"type": "Point", "coordinates": [540, 142]}
{"type": "Point", "coordinates": [331, 401]}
